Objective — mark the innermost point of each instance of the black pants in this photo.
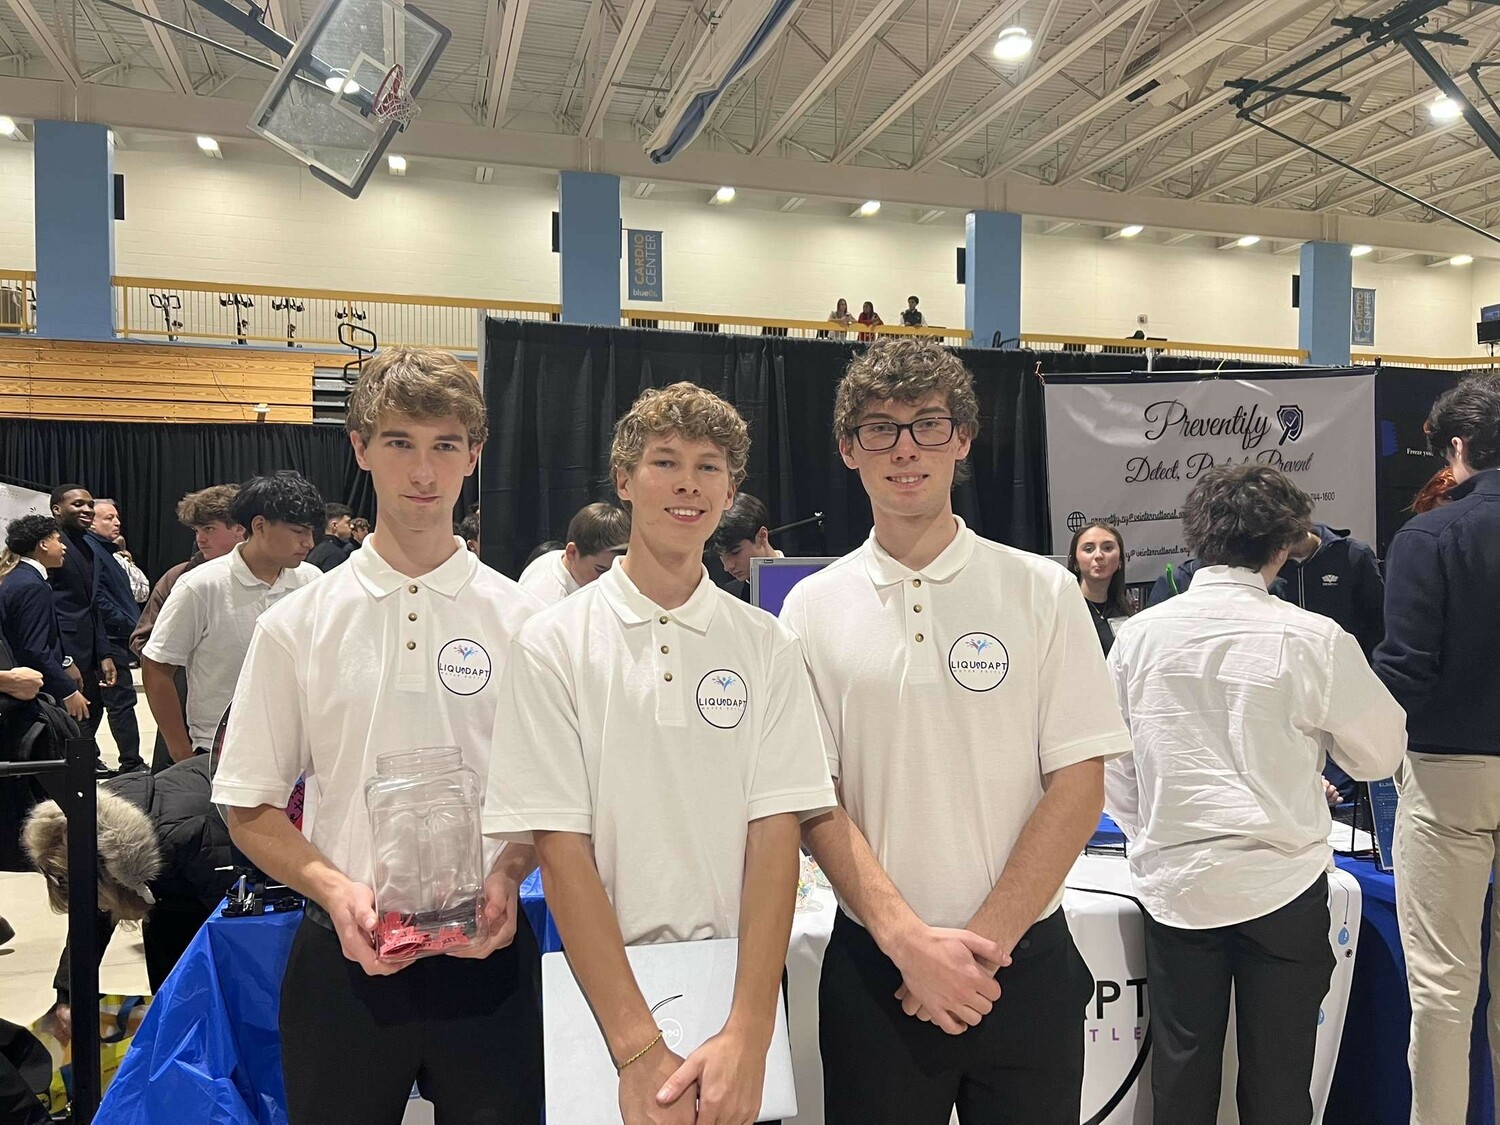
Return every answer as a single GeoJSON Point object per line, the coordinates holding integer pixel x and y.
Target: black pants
{"type": "Point", "coordinates": [119, 704]}
{"type": "Point", "coordinates": [468, 1033]}
{"type": "Point", "coordinates": [1023, 1064]}
{"type": "Point", "coordinates": [94, 693]}
{"type": "Point", "coordinates": [1280, 966]}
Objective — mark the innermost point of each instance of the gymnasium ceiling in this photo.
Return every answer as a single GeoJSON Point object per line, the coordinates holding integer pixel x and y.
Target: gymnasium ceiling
{"type": "Point", "coordinates": [892, 91]}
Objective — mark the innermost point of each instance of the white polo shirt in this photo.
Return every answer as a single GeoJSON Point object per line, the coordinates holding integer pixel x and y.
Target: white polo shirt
{"type": "Point", "coordinates": [364, 662]}
{"type": "Point", "coordinates": [950, 692]}
{"type": "Point", "coordinates": [205, 626]}
{"type": "Point", "coordinates": [548, 578]}
{"type": "Point", "coordinates": [661, 734]}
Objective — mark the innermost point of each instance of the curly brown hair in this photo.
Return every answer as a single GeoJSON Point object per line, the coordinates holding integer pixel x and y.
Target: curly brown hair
{"type": "Point", "coordinates": [208, 505]}
{"type": "Point", "coordinates": [692, 413]}
{"type": "Point", "coordinates": [906, 369]}
{"type": "Point", "coordinates": [423, 383]}
{"type": "Point", "coordinates": [1241, 515]}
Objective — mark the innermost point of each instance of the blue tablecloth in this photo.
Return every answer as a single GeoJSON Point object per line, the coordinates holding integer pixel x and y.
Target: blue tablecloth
{"type": "Point", "coordinates": [209, 1050]}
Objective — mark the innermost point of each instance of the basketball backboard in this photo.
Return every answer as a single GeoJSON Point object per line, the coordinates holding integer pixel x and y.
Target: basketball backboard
{"type": "Point", "coordinates": [332, 105]}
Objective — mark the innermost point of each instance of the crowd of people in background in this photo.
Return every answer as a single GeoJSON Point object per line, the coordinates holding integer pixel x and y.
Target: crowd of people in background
{"type": "Point", "coordinates": [911, 317]}
{"type": "Point", "coordinates": [1265, 678]}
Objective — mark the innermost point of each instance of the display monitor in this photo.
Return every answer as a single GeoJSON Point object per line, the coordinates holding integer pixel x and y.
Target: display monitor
{"type": "Point", "coordinates": [771, 580]}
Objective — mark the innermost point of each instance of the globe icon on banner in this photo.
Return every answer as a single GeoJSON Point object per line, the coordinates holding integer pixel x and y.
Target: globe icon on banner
{"type": "Point", "coordinates": [1076, 520]}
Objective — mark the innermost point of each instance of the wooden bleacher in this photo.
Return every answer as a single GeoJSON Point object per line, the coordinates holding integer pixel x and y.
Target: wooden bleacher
{"type": "Point", "coordinates": [129, 382]}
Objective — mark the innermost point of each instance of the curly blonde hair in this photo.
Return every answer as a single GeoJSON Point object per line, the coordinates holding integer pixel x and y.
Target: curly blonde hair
{"type": "Point", "coordinates": [905, 369]}
{"type": "Point", "coordinates": [688, 411]}
{"type": "Point", "coordinates": [422, 383]}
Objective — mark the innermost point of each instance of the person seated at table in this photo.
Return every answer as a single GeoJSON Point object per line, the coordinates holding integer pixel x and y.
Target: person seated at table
{"type": "Point", "coordinates": [670, 748]}
{"type": "Point", "coordinates": [351, 667]}
{"type": "Point", "coordinates": [743, 534]}
{"type": "Point", "coordinates": [1232, 695]}
{"type": "Point", "coordinates": [969, 711]}
{"type": "Point", "coordinates": [597, 535]}
{"type": "Point", "coordinates": [161, 844]}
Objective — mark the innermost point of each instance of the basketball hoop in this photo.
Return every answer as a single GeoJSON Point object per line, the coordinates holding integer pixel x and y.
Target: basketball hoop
{"type": "Point", "coordinates": [392, 102]}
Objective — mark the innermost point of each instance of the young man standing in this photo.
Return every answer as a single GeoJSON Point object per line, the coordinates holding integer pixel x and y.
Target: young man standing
{"type": "Point", "coordinates": [1441, 660]}
{"type": "Point", "coordinates": [911, 316]}
{"type": "Point", "coordinates": [1233, 699]}
{"type": "Point", "coordinates": [336, 542]}
{"type": "Point", "coordinates": [206, 514]}
{"type": "Point", "coordinates": [80, 608]}
{"type": "Point", "coordinates": [206, 625]}
{"type": "Point", "coordinates": [359, 664]}
{"type": "Point", "coordinates": [28, 614]}
{"type": "Point", "coordinates": [671, 747]}
{"type": "Point", "coordinates": [121, 612]}
{"type": "Point", "coordinates": [970, 714]}
{"type": "Point", "coordinates": [597, 535]}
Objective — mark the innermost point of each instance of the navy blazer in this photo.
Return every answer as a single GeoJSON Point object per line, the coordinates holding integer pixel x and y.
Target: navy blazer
{"type": "Point", "coordinates": [28, 620]}
{"type": "Point", "coordinates": [1441, 653]}
{"type": "Point", "coordinates": [80, 609]}
{"type": "Point", "coordinates": [117, 601]}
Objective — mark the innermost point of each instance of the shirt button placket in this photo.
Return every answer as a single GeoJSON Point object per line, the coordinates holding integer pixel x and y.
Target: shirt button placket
{"type": "Point", "coordinates": [916, 626]}
{"type": "Point", "coordinates": [410, 653]}
{"type": "Point", "coordinates": [669, 684]}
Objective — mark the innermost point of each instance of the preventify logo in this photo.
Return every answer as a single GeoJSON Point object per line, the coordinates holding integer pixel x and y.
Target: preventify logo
{"type": "Point", "coordinates": [1291, 419]}
{"type": "Point", "coordinates": [978, 661]}
{"type": "Point", "coordinates": [722, 698]}
{"type": "Point", "coordinates": [464, 666]}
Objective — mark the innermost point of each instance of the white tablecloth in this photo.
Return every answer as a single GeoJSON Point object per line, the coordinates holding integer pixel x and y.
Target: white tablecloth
{"type": "Point", "coordinates": [1107, 926]}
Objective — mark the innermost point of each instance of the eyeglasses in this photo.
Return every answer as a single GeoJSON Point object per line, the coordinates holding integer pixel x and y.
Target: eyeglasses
{"type": "Point", "coordinates": [876, 437]}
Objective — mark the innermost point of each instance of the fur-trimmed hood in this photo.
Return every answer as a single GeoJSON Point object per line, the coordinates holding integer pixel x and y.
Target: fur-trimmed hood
{"type": "Point", "coordinates": [130, 854]}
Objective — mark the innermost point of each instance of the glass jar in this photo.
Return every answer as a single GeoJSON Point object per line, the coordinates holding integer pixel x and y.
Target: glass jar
{"type": "Point", "coordinates": [429, 876]}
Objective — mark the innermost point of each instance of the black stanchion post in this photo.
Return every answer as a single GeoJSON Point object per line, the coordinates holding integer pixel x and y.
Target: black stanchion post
{"type": "Point", "coordinates": [83, 929]}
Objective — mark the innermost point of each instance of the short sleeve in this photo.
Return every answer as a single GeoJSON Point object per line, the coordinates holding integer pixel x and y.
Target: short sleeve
{"type": "Point", "coordinates": [266, 746]}
{"type": "Point", "coordinates": [180, 627]}
{"type": "Point", "coordinates": [791, 766]}
{"type": "Point", "coordinates": [538, 778]}
{"type": "Point", "coordinates": [794, 618]}
{"type": "Point", "coordinates": [1078, 716]}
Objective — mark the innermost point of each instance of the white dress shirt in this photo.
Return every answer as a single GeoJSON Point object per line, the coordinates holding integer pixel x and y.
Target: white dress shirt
{"type": "Point", "coordinates": [1234, 698]}
{"type": "Point", "coordinates": [548, 578]}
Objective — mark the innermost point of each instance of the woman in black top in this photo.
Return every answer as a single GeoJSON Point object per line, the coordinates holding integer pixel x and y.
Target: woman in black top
{"type": "Point", "coordinates": [1097, 557]}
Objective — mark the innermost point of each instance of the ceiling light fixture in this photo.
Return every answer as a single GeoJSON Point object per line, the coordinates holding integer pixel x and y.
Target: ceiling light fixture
{"type": "Point", "coordinates": [210, 148]}
{"type": "Point", "coordinates": [1359, 251]}
{"type": "Point", "coordinates": [1014, 43]}
{"type": "Point", "coordinates": [1247, 240]}
{"type": "Point", "coordinates": [9, 128]}
{"type": "Point", "coordinates": [1131, 231]}
{"type": "Point", "coordinates": [724, 195]}
{"type": "Point", "coordinates": [867, 208]}
{"type": "Point", "coordinates": [1461, 259]}
{"type": "Point", "coordinates": [397, 164]}
{"type": "Point", "coordinates": [1444, 108]}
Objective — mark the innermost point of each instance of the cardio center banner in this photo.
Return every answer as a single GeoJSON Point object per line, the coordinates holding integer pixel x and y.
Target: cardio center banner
{"type": "Point", "coordinates": [1128, 453]}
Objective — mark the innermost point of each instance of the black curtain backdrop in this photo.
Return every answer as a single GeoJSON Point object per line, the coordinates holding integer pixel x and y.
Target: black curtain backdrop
{"type": "Point", "coordinates": [1403, 398]}
{"type": "Point", "coordinates": [555, 390]}
{"type": "Point", "coordinates": [147, 468]}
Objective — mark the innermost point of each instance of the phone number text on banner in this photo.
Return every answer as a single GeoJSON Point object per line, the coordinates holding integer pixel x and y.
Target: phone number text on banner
{"type": "Point", "coordinates": [1128, 453]}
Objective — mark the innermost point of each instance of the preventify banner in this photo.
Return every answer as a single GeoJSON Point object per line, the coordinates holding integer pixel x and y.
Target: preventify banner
{"type": "Point", "coordinates": [17, 501]}
{"type": "Point", "coordinates": [1129, 452]}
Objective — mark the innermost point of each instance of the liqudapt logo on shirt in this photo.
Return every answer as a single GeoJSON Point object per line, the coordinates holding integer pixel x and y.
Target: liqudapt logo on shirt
{"type": "Point", "coordinates": [722, 698]}
{"type": "Point", "coordinates": [464, 666]}
{"type": "Point", "coordinates": [978, 661]}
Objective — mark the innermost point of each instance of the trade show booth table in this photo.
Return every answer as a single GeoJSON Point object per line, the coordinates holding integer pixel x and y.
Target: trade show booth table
{"type": "Point", "coordinates": [209, 1050]}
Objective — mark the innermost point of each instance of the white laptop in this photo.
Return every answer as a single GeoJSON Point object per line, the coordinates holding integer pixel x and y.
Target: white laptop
{"type": "Point", "coordinates": [689, 986]}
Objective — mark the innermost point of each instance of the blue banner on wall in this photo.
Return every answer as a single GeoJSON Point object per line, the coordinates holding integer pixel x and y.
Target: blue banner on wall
{"type": "Point", "coordinates": [644, 257]}
{"type": "Point", "coordinates": [1362, 323]}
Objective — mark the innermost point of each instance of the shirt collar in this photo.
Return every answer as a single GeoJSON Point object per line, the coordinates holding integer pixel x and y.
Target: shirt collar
{"type": "Point", "coordinates": [635, 608]}
{"type": "Point", "coordinates": [885, 570]}
{"type": "Point", "coordinates": [570, 584]}
{"type": "Point", "coordinates": [40, 569]}
{"type": "Point", "coordinates": [1228, 576]}
{"type": "Point", "coordinates": [379, 578]}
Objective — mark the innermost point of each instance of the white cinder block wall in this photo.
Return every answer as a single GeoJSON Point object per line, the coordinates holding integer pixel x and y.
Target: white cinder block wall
{"type": "Point", "coordinates": [267, 222]}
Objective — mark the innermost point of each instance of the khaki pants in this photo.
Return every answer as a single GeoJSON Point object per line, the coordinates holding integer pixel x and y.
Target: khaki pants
{"type": "Point", "coordinates": [1447, 846]}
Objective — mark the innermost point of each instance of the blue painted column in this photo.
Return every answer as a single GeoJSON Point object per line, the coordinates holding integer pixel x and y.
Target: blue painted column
{"type": "Point", "coordinates": [590, 243]}
{"type": "Point", "coordinates": [1325, 306]}
{"type": "Point", "coordinates": [75, 236]}
{"type": "Point", "coordinates": [992, 276]}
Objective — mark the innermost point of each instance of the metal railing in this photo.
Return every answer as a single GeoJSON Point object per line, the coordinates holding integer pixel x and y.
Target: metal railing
{"type": "Point", "coordinates": [1110, 345]}
{"type": "Point", "coordinates": [777, 326]}
{"type": "Point", "coordinates": [298, 316]}
{"type": "Point", "coordinates": [1452, 363]}
{"type": "Point", "coordinates": [17, 301]}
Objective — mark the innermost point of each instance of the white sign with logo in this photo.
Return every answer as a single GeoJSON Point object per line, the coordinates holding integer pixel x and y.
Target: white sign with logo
{"type": "Point", "coordinates": [1128, 453]}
